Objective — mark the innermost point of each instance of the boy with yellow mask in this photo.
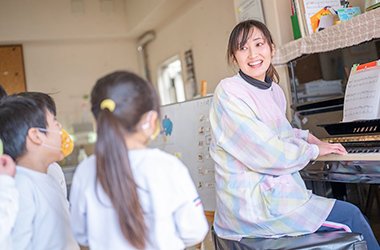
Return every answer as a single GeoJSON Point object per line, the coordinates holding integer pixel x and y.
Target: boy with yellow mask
{"type": "Point", "coordinates": [32, 137]}
{"type": "Point", "coordinates": [54, 169]}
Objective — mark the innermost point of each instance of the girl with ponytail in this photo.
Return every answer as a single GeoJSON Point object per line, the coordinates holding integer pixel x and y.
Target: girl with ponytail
{"type": "Point", "coordinates": [128, 196]}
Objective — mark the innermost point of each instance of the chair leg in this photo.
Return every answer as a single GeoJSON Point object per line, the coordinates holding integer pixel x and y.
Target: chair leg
{"type": "Point", "coordinates": [371, 196]}
{"type": "Point", "coordinates": [378, 196]}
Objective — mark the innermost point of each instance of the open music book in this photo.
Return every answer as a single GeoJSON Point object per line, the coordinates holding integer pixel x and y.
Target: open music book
{"type": "Point", "coordinates": [362, 97]}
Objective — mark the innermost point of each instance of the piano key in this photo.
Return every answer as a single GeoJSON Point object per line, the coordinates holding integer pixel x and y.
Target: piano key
{"type": "Point", "coordinates": [351, 157]}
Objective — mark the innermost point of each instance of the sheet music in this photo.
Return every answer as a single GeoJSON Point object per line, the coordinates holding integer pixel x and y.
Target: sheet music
{"type": "Point", "coordinates": [313, 6]}
{"type": "Point", "coordinates": [362, 98]}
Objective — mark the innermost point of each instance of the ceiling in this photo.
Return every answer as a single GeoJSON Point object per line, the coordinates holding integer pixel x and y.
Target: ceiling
{"type": "Point", "coordinates": [160, 12]}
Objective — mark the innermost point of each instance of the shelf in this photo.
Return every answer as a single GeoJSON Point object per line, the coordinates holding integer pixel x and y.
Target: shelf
{"type": "Point", "coordinates": [359, 29]}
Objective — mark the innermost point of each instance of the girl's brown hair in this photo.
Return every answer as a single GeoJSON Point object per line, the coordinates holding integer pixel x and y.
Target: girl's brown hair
{"type": "Point", "coordinates": [239, 37]}
{"type": "Point", "coordinates": [133, 97]}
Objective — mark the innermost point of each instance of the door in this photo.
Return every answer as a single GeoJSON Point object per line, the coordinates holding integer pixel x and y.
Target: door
{"type": "Point", "coordinates": [12, 75]}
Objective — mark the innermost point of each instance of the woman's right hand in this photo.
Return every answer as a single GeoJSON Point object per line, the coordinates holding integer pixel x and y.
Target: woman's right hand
{"type": "Point", "coordinates": [331, 148]}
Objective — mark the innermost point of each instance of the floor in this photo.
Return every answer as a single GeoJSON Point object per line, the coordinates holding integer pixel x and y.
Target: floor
{"type": "Point", "coordinates": [207, 243]}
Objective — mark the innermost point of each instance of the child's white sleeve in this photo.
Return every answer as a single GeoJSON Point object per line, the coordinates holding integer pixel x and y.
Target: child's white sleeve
{"type": "Point", "coordinates": [78, 212]}
{"type": "Point", "coordinates": [190, 218]}
{"type": "Point", "coordinates": [22, 234]}
{"type": "Point", "coordinates": [8, 206]}
{"type": "Point", "coordinates": [56, 172]}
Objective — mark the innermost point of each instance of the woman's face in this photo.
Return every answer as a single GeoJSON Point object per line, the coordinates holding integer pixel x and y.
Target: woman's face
{"type": "Point", "coordinates": [254, 57]}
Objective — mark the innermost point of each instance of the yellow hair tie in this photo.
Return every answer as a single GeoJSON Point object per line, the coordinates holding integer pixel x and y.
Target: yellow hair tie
{"type": "Point", "coordinates": [109, 104]}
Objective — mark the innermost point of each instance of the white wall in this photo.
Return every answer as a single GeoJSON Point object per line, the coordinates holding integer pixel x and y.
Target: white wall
{"type": "Point", "coordinates": [203, 27]}
{"type": "Point", "coordinates": [65, 52]}
{"type": "Point", "coordinates": [39, 20]}
{"type": "Point", "coordinates": [70, 69]}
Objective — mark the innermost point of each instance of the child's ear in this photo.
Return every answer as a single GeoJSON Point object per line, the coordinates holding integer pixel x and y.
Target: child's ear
{"type": "Point", "coordinates": [153, 119]}
{"type": "Point", "coordinates": [34, 136]}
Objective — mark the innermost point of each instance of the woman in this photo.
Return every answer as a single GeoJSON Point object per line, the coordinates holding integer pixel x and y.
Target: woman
{"type": "Point", "coordinates": [258, 155]}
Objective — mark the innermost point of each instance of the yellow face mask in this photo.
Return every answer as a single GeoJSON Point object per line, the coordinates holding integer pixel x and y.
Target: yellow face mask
{"type": "Point", "coordinates": [156, 131]}
{"type": "Point", "coordinates": [146, 126]}
{"type": "Point", "coordinates": [67, 145]}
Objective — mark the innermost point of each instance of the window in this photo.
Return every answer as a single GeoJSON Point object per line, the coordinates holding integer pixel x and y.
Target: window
{"type": "Point", "coordinates": [170, 82]}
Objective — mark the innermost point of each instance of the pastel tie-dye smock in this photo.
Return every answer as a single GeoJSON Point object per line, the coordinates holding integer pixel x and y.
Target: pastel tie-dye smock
{"type": "Point", "coordinates": [257, 154]}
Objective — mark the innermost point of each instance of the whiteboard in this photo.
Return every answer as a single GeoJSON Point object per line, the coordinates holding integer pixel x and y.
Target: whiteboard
{"type": "Point", "coordinates": [186, 133]}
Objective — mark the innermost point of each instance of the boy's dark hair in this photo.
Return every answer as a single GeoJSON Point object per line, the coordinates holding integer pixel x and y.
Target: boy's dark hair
{"type": "Point", "coordinates": [46, 99]}
{"type": "Point", "coordinates": [3, 93]}
{"type": "Point", "coordinates": [239, 37]}
{"type": "Point", "coordinates": [17, 115]}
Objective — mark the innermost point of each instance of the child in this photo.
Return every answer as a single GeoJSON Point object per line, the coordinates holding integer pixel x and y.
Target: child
{"type": "Point", "coordinates": [128, 196]}
{"type": "Point", "coordinates": [8, 199]}
{"type": "Point", "coordinates": [31, 135]}
{"type": "Point", "coordinates": [258, 155]}
{"type": "Point", "coordinates": [54, 169]}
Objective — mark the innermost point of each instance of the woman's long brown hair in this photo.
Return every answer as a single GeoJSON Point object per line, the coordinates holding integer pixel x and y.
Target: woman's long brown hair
{"type": "Point", "coordinates": [133, 97]}
{"type": "Point", "coordinates": [239, 37]}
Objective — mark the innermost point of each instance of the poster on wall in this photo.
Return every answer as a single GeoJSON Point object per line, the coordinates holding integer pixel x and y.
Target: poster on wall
{"type": "Point", "coordinates": [250, 9]}
{"type": "Point", "coordinates": [191, 83]}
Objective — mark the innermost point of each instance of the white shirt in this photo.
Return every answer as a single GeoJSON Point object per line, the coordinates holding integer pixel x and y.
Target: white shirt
{"type": "Point", "coordinates": [43, 220]}
{"type": "Point", "coordinates": [56, 172]}
{"type": "Point", "coordinates": [8, 210]}
{"type": "Point", "coordinates": [173, 212]}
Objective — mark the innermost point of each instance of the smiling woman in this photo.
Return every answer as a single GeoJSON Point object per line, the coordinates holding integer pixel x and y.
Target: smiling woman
{"type": "Point", "coordinates": [252, 48]}
{"type": "Point", "coordinates": [258, 155]}
{"type": "Point", "coordinates": [254, 57]}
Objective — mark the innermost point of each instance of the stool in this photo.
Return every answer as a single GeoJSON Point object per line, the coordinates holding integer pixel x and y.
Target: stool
{"type": "Point", "coordinates": [319, 240]}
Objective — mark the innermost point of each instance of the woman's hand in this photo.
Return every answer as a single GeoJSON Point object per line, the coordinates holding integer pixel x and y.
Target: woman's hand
{"type": "Point", "coordinates": [313, 140]}
{"type": "Point", "coordinates": [326, 148]}
{"type": "Point", "coordinates": [331, 148]}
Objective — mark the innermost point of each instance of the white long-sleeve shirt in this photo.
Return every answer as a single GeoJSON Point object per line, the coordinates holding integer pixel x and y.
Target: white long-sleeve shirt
{"type": "Point", "coordinates": [56, 172]}
{"type": "Point", "coordinates": [8, 210]}
{"type": "Point", "coordinates": [43, 220]}
{"type": "Point", "coordinates": [173, 213]}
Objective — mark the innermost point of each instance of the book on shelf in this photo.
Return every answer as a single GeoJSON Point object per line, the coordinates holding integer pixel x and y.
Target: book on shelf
{"type": "Point", "coordinates": [299, 13]}
{"type": "Point", "coordinates": [305, 9]}
{"type": "Point", "coordinates": [295, 26]}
